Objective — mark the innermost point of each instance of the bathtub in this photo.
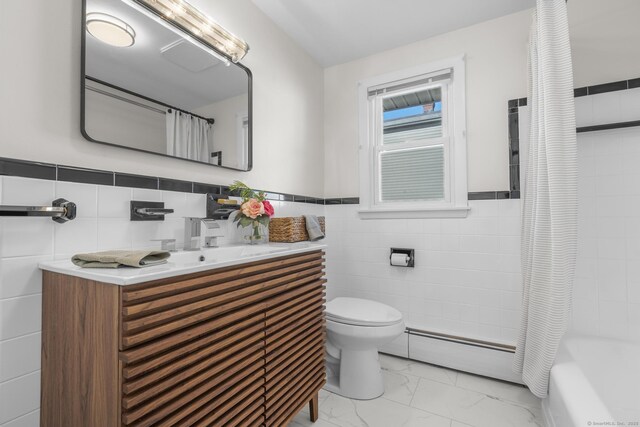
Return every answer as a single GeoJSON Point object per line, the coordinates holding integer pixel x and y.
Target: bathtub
{"type": "Point", "coordinates": [594, 381]}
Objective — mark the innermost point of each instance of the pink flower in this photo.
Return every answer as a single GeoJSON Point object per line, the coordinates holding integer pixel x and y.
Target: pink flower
{"type": "Point", "coordinates": [268, 208]}
{"type": "Point", "coordinates": [252, 208]}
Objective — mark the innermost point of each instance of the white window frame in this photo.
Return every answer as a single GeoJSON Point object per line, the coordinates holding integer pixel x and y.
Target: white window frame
{"type": "Point", "coordinates": [455, 203]}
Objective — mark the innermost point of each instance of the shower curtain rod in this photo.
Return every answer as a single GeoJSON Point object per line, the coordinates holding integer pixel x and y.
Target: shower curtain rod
{"type": "Point", "coordinates": [127, 100]}
{"type": "Point", "coordinates": [130, 101]}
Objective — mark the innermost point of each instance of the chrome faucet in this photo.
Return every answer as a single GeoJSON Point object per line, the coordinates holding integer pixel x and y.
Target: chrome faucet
{"type": "Point", "coordinates": [193, 232]}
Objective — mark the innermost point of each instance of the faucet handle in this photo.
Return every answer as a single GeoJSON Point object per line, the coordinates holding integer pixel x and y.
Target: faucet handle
{"type": "Point", "coordinates": [166, 244]}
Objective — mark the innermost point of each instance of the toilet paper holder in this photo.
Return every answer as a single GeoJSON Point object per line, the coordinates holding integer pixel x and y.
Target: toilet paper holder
{"type": "Point", "coordinates": [409, 252]}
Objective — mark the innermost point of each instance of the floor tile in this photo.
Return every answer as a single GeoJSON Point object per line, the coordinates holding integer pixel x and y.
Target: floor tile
{"type": "Point", "coordinates": [472, 407]}
{"type": "Point", "coordinates": [302, 420]}
{"type": "Point", "coordinates": [500, 389]}
{"type": "Point", "coordinates": [419, 369]}
{"type": "Point", "coordinates": [379, 412]}
{"type": "Point", "coordinates": [399, 387]}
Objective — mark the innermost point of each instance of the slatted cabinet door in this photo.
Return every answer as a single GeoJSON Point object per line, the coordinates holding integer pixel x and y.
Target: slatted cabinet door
{"type": "Point", "coordinates": [237, 346]}
{"type": "Point", "coordinates": [295, 338]}
{"type": "Point", "coordinates": [193, 351]}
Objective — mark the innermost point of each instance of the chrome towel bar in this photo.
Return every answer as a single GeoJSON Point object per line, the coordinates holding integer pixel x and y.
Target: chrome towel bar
{"type": "Point", "coordinates": [61, 210]}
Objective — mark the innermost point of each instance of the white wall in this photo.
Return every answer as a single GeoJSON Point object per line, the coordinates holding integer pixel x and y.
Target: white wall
{"type": "Point", "coordinates": [466, 279]}
{"type": "Point", "coordinates": [604, 40]}
{"type": "Point", "coordinates": [109, 119]}
{"type": "Point", "coordinates": [102, 224]}
{"type": "Point", "coordinates": [496, 72]}
{"type": "Point", "coordinates": [607, 288]}
{"type": "Point", "coordinates": [225, 128]}
{"type": "Point", "coordinates": [40, 84]}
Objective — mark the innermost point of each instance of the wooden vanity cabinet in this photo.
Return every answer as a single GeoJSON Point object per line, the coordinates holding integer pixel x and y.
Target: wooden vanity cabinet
{"type": "Point", "coordinates": [236, 346]}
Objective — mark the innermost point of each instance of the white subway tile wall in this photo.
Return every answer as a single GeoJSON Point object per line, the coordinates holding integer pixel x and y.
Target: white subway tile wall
{"type": "Point", "coordinates": [607, 288]}
{"type": "Point", "coordinates": [466, 279]}
{"type": "Point", "coordinates": [102, 223]}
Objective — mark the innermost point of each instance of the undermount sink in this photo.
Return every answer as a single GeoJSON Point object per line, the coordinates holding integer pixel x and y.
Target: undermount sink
{"type": "Point", "coordinates": [225, 253]}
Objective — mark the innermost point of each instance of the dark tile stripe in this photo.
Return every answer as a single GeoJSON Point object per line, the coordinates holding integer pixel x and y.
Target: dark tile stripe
{"type": "Point", "coordinates": [483, 195]}
{"type": "Point", "coordinates": [85, 176]}
{"type": "Point", "coordinates": [273, 196]}
{"type": "Point", "coordinates": [201, 188]}
{"type": "Point", "coordinates": [513, 126]}
{"type": "Point", "coordinates": [608, 126]}
{"type": "Point", "coordinates": [608, 87]}
{"type": "Point", "coordinates": [136, 181]}
{"type": "Point", "coordinates": [514, 152]}
{"type": "Point", "coordinates": [581, 91]}
{"type": "Point", "coordinates": [333, 201]}
{"type": "Point", "coordinates": [27, 169]}
{"type": "Point", "coordinates": [350, 200]}
{"type": "Point", "coordinates": [634, 83]}
{"type": "Point", "coordinates": [514, 177]}
{"type": "Point", "coordinates": [175, 185]}
{"type": "Point", "coordinates": [224, 189]}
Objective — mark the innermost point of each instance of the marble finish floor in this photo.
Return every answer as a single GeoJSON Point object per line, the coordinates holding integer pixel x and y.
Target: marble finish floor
{"type": "Point", "coordinates": [422, 395]}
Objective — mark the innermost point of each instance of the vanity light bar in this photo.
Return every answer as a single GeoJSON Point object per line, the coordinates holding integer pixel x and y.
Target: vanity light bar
{"type": "Point", "coordinates": [134, 4]}
{"type": "Point", "coordinates": [200, 25]}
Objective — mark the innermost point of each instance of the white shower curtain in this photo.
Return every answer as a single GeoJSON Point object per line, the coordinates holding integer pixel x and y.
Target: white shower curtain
{"type": "Point", "coordinates": [188, 136]}
{"type": "Point", "coordinates": [550, 205]}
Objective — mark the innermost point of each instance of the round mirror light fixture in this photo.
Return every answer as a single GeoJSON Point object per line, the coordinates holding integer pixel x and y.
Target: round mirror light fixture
{"type": "Point", "coordinates": [111, 30]}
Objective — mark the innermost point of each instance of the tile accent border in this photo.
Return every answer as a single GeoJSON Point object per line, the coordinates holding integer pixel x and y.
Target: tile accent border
{"type": "Point", "coordinates": [53, 172]}
{"type": "Point", "coordinates": [513, 106]}
{"type": "Point", "coordinates": [606, 87]}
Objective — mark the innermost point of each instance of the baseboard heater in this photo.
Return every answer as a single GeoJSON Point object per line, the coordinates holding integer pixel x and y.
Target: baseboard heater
{"type": "Point", "coordinates": [462, 340]}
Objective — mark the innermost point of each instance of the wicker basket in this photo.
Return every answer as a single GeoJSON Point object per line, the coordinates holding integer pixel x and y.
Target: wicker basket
{"type": "Point", "coordinates": [290, 229]}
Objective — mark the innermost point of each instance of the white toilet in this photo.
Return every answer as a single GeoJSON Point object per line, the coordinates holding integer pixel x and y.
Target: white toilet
{"type": "Point", "coordinates": [356, 328]}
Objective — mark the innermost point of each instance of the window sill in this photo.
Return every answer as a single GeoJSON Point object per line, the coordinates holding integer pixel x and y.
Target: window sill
{"type": "Point", "coordinates": [448, 212]}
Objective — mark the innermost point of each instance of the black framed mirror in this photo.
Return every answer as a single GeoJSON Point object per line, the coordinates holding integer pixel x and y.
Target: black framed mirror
{"type": "Point", "coordinates": [150, 86]}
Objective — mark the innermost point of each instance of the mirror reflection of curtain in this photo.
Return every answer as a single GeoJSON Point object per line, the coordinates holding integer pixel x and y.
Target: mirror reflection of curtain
{"type": "Point", "coordinates": [188, 136]}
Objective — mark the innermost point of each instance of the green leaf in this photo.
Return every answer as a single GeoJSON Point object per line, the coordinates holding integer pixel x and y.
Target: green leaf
{"type": "Point", "coordinates": [243, 189]}
{"type": "Point", "coordinates": [263, 219]}
{"type": "Point", "coordinates": [245, 221]}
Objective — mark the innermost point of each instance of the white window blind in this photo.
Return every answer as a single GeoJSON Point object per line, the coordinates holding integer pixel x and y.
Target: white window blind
{"type": "Point", "coordinates": [413, 174]}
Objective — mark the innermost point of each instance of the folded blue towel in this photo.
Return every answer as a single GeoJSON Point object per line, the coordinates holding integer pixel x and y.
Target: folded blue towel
{"type": "Point", "coordinates": [313, 227]}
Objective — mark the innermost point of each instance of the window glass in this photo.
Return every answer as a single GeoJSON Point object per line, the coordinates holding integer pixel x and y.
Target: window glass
{"type": "Point", "coordinates": [412, 116]}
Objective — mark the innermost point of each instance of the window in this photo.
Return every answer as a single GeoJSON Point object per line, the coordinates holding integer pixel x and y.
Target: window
{"type": "Point", "coordinates": [413, 149]}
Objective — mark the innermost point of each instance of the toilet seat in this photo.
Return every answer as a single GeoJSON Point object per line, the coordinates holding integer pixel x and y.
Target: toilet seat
{"type": "Point", "coordinates": [360, 312]}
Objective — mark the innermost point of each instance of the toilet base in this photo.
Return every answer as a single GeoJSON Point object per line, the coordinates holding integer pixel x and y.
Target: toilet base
{"type": "Point", "coordinates": [359, 376]}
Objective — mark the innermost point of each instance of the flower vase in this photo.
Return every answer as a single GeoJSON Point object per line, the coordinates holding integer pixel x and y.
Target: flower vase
{"type": "Point", "coordinates": [256, 233]}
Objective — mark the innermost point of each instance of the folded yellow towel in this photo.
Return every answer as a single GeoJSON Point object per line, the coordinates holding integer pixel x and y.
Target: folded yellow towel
{"type": "Point", "coordinates": [115, 259]}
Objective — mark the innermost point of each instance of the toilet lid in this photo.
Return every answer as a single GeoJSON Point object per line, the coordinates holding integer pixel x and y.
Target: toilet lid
{"type": "Point", "coordinates": [362, 312]}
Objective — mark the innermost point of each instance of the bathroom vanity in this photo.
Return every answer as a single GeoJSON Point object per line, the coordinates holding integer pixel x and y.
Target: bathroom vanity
{"type": "Point", "coordinates": [227, 336]}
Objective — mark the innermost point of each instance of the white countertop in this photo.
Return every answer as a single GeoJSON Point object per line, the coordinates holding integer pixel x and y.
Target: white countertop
{"type": "Point", "coordinates": [183, 262]}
